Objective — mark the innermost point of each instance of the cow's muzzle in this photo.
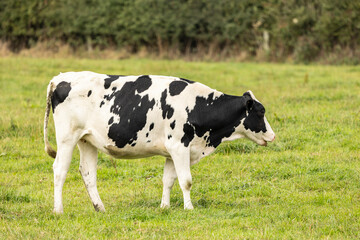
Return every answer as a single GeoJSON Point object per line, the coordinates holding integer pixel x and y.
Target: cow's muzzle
{"type": "Point", "coordinates": [264, 143]}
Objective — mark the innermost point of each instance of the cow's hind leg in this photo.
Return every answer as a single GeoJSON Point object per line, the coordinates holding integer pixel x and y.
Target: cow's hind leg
{"type": "Point", "coordinates": [168, 181]}
{"type": "Point", "coordinates": [181, 159]}
{"type": "Point", "coordinates": [88, 165]}
{"type": "Point", "coordinates": [61, 167]}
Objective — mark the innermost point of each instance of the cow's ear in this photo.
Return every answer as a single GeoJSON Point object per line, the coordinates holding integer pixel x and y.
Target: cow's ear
{"type": "Point", "coordinates": [249, 104]}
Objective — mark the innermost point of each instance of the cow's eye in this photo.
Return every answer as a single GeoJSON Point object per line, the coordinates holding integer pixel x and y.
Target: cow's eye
{"type": "Point", "coordinates": [261, 113]}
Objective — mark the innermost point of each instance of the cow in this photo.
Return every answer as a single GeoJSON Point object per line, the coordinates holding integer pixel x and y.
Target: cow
{"type": "Point", "coordinates": [140, 116]}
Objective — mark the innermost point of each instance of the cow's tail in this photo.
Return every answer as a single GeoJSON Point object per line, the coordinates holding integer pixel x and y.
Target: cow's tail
{"type": "Point", "coordinates": [48, 148]}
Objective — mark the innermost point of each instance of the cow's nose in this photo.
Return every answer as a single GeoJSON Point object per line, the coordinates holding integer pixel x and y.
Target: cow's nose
{"type": "Point", "coordinates": [273, 138]}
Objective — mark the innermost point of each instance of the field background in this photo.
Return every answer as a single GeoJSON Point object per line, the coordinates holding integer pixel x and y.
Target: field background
{"type": "Point", "coordinates": [305, 185]}
{"type": "Point", "coordinates": [326, 31]}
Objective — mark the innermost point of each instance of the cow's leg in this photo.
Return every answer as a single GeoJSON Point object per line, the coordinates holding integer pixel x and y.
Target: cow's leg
{"type": "Point", "coordinates": [181, 159]}
{"type": "Point", "coordinates": [61, 167]}
{"type": "Point", "coordinates": [88, 164]}
{"type": "Point", "coordinates": [168, 181]}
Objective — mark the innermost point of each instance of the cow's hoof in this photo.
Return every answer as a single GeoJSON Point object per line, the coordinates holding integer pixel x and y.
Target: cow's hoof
{"type": "Point", "coordinates": [189, 207]}
{"type": "Point", "coordinates": [99, 207]}
{"type": "Point", "coordinates": [58, 211]}
{"type": "Point", "coordinates": [164, 206]}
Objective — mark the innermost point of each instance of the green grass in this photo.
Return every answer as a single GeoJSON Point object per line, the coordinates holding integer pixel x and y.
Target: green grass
{"type": "Point", "coordinates": [305, 185]}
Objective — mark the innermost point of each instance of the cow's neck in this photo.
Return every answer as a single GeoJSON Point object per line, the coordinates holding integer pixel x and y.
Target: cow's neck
{"type": "Point", "coordinates": [219, 117]}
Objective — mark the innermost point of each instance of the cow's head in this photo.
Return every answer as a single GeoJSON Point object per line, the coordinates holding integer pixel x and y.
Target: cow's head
{"type": "Point", "coordinates": [255, 125]}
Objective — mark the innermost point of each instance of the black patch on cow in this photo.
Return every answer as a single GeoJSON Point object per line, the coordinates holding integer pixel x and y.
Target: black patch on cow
{"type": "Point", "coordinates": [114, 89]}
{"type": "Point", "coordinates": [133, 145]}
{"type": "Point", "coordinates": [60, 94]}
{"type": "Point", "coordinates": [151, 126]}
{"type": "Point", "coordinates": [109, 80]}
{"type": "Point", "coordinates": [172, 125]}
{"type": "Point", "coordinates": [102, 103]}
{"type": "Point", "coordinates": [219, 116]}
{"type": "Point", "coordinates": [143, 83]}
{"type": "Point", "coordinates": [188, 134]}
{"type": "Point", "coordinates": [167, 110]}
{"type": "Point", "coordinates": [132, 109]}
{"type": "Point", "coordinates": [111, 120]}
{"type": "Point", "coordinates": [89, 93]}
{"type": "Point", "coordinates": [186, 80]}
{"type": "Point", "coordinates": [147, 134]}
{"type": "Point", "coordinates": [176, 87]}
{"type": "Point", "coordinates": [169, 136]}
{"type": "Point", "coordinates": [255, 120]}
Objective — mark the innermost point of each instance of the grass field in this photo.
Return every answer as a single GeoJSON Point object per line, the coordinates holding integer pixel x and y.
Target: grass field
{"type": "Point", "coordinates": [305, 185]}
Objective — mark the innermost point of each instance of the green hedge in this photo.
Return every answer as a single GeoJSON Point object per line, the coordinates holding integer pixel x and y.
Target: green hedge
{"type": "Point", "coordinates": [303, 28]}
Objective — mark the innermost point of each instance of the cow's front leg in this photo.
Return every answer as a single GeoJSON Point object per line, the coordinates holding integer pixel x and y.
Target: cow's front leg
{"type": "Point", "coordinates": [181, 159]}
{"type": "Point", "coordinates": [88, 165]}
{"type": "Point", "coordinates": [168, 181]}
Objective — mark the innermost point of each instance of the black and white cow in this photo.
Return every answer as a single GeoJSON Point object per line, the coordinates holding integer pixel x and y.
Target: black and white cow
{"type": "Point", "coordinates": [142, 116]}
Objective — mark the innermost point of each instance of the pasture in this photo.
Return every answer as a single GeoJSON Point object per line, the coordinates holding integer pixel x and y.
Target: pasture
{"type": "Point", "coordinates": [305, 185]}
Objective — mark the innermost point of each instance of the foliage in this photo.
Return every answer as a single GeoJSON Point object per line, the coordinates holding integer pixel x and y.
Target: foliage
{"type": "Point", "coordinates": [304, 28]}
{"type": "Point", "coordinates": [305, 185]}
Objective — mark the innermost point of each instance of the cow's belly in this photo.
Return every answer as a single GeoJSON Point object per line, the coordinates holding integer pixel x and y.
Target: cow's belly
{"type": "Point", "coordinates": [133, 152]}
{"type": "Point", "coordinates": [140, 150]}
